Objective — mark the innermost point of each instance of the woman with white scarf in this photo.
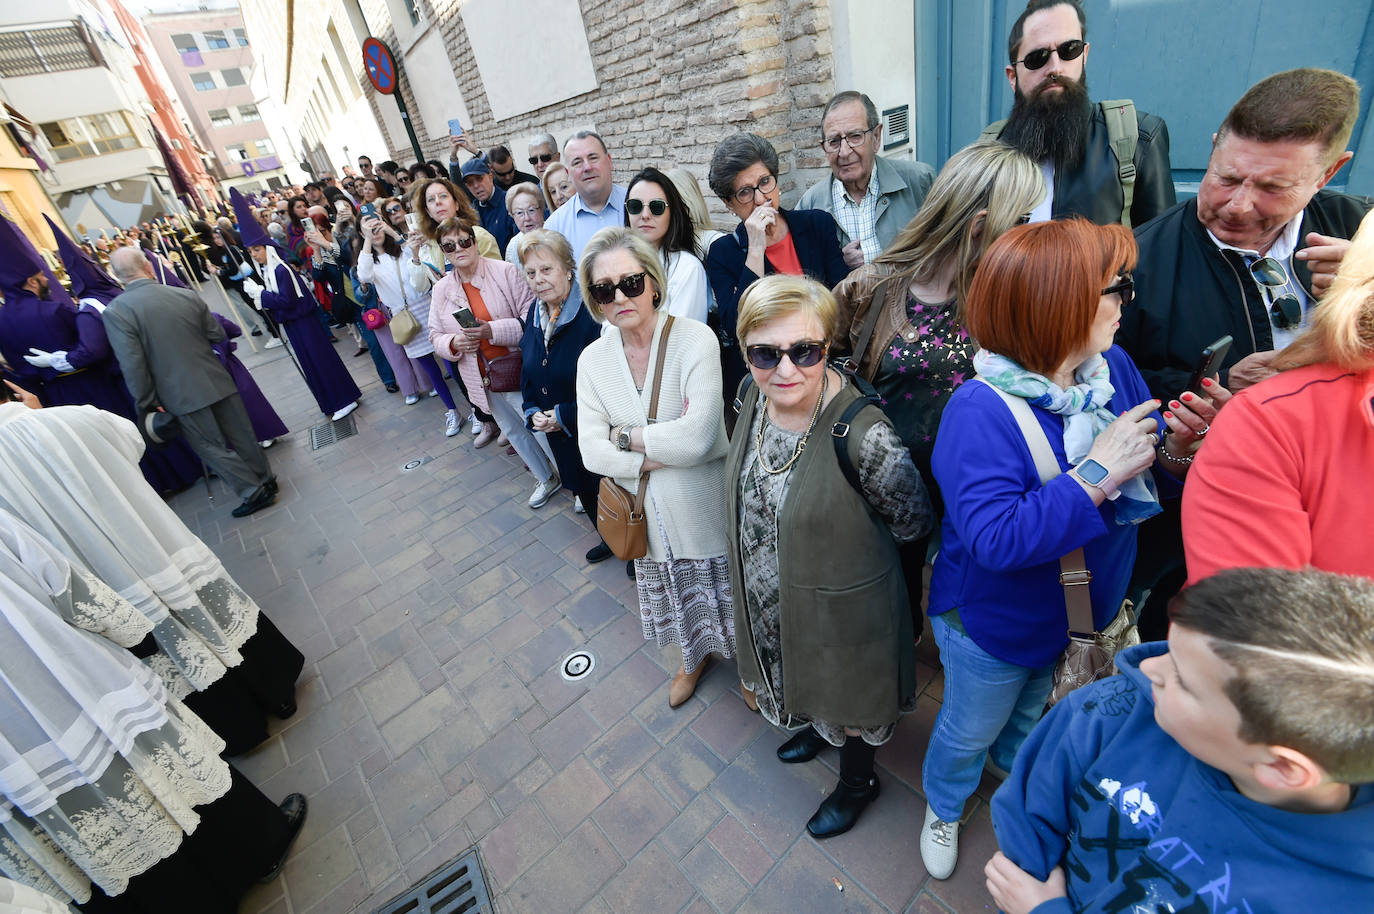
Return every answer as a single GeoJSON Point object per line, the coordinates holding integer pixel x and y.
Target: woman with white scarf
{"type": "Point", "coordinates": [110, 787]}
{"type": "Point", "coordinates": [1044, 306]}
{"type": "Point", "coordinates": [71, 473]}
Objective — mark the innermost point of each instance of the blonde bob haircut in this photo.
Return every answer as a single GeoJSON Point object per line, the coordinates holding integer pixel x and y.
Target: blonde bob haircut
{"type": "Point", "coordinates": [552, 243]}
{"type": "Point", "coordinates": [1342, 328]}
{"type": "Point", "coordinates": [780, 295]}
{"type": "Point", "coordinates": [627, 239]}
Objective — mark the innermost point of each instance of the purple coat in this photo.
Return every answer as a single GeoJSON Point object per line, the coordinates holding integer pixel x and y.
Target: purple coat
{"type": "Point", "coordinates": [266, 423]}
{"type": "Point", "coordinates": [325, 374]}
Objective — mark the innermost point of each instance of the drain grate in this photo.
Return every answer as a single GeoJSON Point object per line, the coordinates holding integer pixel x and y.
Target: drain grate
{"type": "Point", "coordinates": [327, 433]}
{"type": "Point", "coordinates": [416, 463]}
{"type": "Point", "coordinates": [577, 666]}
{"type": "Point", "coordinates": [453, 888]}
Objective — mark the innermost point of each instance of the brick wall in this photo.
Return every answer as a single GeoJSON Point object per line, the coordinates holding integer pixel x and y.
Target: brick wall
{"type": "Point", "coordinates": [673, 80]}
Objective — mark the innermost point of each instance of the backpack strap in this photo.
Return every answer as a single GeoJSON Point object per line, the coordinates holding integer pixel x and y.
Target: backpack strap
{"type": "Point", "coordinates": [840, 437]}
{"type": "Point", "coordinates": [1122, 135]}
{"type": "Point", "coordinates": [741, 392]}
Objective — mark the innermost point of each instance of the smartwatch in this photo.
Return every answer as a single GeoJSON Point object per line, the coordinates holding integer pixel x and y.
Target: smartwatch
{"type": "Point", "coordinates": [622, 438]}
{"type": "Point", "coordinates": [1097, 476]}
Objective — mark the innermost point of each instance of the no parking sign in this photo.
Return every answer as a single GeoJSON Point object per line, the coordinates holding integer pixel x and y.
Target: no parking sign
{"type": "Point", "coordinates": [381, 68]}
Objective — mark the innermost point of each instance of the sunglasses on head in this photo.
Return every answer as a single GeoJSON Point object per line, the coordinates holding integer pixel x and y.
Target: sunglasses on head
{"type": "Point", "coordinates": [1069, 50]}
{"type": "Point", "coordinates": [657, 207]}
{"type": "Point", "coordinates": [542, 157]}
{"type": "Point", "coordinates": [450, 247]}
{"type": "Point", "coordinates": [1284, 310]}
{"type": "Point", "coordinates": [803, 354]}
{"type": "Point", "coordinates": [603, 293]}
{"type": "Point", "coordinates": [1125, 286]}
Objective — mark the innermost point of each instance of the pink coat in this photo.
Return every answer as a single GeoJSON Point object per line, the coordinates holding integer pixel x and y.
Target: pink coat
{"type": "Point", "coordinates": [507, 296]}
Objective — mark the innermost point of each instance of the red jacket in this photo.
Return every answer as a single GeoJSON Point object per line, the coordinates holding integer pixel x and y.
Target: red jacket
{"type": "Point", "coordinates": [1284, 478]}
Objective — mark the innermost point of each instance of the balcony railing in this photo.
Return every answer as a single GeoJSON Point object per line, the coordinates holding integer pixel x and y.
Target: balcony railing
{"type": "Point", "coordinates": [29, 52]}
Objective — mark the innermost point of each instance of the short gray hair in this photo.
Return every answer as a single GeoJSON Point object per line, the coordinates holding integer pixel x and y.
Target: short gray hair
{"type": "Point", "coordinates": [543, 139]}
{"type": "Point", "coordinates": [552, 242]}
{"type": "Point", "coordinates": [524, 187]}
{"type": "Point", "coordinates": [128, 264]}
{"type": "Point", "coordinates": [585, 134]}
{"type": "Point", "coordinates": [734, 154]}
{"type": "Point", "coordinates": [844, 98]}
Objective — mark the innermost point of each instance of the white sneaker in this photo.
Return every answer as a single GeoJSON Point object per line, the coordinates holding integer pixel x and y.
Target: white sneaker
{"type": "Point", "coordinates": [412, 399]}
{"type": "Point", "coordinates": [544, 491]}
{"type": "Point", "coordinates": [273, 343]}
{"type": "Point", "coordinates": [434, 392]}
{"type": "Point", "coordinates": [476, 425]}
{"type": "Point", "coordinates": [345, 411]}
{"type": "Point", "coordinates": [265, 444]}
{"type": "Point", "coordinates": [577, 505]}
{"type": "Point", "coordinates": [939, 845]}
{"type": "Point", "coordinates": [451, 423]}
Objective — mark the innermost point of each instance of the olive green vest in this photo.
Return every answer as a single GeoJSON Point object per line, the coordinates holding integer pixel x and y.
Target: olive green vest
{"type": "Point", "coordinates": [847, 649]}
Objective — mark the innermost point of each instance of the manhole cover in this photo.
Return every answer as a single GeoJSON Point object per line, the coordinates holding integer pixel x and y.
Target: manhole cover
{"type": "Point", "coordinates": [577, 665]}
{"type": "Point", "coordinates": [453, 888]}
{"type": "Point", "coordinates": [415, 464]}
{"type": "Point", "coordinates": [331, 432]}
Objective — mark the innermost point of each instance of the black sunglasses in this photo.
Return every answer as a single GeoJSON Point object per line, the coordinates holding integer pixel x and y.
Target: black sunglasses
{"type": "Point", "coordinates": [803, 354]}
{"type": "Point", "coordinates": [603, 293]}
{"type": "Point", "coordinates": [1284, 310]}
{"type": "Point", "coordinates": [635, 207]}
{"type": "Point", "coordinates": [1069, 50]}
{"type": "Point", "coordinates": [463, 241]}
{"type": "Point", "coordinates": [393, 210]}
{"type": "Point", "coordinates": [1125, 286]}
{"type": "Point", "coordinates": [542, 157]}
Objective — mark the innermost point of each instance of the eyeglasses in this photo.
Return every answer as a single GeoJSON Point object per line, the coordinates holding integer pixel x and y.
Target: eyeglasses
{"type": "Point", "coordinates": [542, 157]}
{"type": "Point", "coordinates": [1285, 310]}
{"type": "Point", "coordinates": [853, 138]}
{"type": "Point", "coordinates": [393, 210]}
{"type": "Point", "coordinates": [504, 174]}
{"type": "Point", "coordinates": [657, 207]}
{"type": "Point", "coordinates": [803, 354]}
{"type": "Point", "coordinates": [1069, 50]}
{"type": "Point", "coordinates": [525, 211]}
{"type": "Point", "coordinates": [765, 186]}
{"type": "Point", "coordinates": [1125, 287]}
{"type": "Point", "coordinates": [462, 241]}
{"type": "Point", "coordinates": [603, 293]}
{"type": "Point", "coordinates": [1024, 219]}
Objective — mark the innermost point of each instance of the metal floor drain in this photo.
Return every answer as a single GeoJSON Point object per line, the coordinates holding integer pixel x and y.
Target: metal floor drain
{"type": "Point", "coordinates": [453, 888]}
{"type": "Point", "coordinates": [577, 665]}
{"type": "Point", "coordinates": [331, 432]}
{"type": "Point", "coordinates": [416, 463]}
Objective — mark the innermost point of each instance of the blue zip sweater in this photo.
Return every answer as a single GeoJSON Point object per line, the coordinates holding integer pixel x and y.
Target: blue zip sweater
{"type": "Point", "coordinates": [1140, 825]}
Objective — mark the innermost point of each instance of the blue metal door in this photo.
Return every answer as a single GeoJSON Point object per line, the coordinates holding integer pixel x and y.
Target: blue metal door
{"type": "Point", "coordinates": [1187, 62]}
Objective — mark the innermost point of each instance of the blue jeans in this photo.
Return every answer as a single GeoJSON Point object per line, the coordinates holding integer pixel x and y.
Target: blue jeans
{"type": "Point", "coordinates": [989, 706]}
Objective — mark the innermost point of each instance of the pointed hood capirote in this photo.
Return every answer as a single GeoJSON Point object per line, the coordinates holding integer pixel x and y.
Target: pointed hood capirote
{"type": "Point", "coordinates": [250, 230]}
{"type": "Point", "coordinates": [22, 260]}
{"type": "Point", "coordinates": [89, 279]}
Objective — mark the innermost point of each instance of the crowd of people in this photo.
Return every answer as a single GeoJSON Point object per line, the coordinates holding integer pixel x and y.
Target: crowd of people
{"type": "Point", "coordinates": [1029, 402]}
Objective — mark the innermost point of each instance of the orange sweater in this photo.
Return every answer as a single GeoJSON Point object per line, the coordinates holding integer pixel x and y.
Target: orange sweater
{"type": "Point", "coordinates": [1284, 479]}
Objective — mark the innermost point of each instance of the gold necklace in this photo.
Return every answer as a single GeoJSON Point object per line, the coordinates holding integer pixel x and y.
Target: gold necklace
{"type": "Point", "coordinates": [801, 445]}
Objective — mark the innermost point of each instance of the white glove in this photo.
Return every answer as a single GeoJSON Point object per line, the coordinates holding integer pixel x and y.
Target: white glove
{"type": "Point", "coordinates": [253, 289]}
{"type": "Point", "coordinates": [40, 359]}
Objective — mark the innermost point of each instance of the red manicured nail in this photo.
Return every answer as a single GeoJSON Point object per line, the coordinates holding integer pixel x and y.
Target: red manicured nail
{"type": "Point", "coordinates": [1174, 404]}
{"type": "Point", "coordinates": [1207, 382]}
{"type": "Point", "coordinates": [1168, 415]}
{"type": "Point", "coordinates": [1187, 398]}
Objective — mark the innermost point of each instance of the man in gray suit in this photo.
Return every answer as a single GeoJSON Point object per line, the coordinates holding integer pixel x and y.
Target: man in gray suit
{"type": "Point", "coordinates": [161, 336]}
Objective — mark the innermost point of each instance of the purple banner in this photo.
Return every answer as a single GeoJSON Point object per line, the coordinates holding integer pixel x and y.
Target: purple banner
{"type": "Point", "coordinates": [192, 59]}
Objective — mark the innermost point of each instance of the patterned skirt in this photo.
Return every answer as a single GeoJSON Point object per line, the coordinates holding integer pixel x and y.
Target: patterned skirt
{"type": "Point", "coordinates": [687, 602]}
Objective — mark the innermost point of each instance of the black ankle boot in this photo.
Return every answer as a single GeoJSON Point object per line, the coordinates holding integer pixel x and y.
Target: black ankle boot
{"type": "Point", "coordinates": [803, 747]}
{"type": "Point", "coordinates": [858, 787]}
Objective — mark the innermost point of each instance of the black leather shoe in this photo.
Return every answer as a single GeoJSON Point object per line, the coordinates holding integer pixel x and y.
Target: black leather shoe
{"type": "Point", "coordinates": [630, 569]}
{"type": "Point", "coordinates": [392, 388]}
{"type": "Point", "coordinates": [294, 806]}
{"type": "Point", "coordinates": [285, 709]}
{"type": "Point", "coordinates": [271, 485]}
{"type": "Point", "coordinates": [599, 553]}
{"type": "Point", "coordinates": [803, 747]}
{"type": "Point", "coordinates": [261, 498]}
{"type": "Point", "coordinates": [839, 812]}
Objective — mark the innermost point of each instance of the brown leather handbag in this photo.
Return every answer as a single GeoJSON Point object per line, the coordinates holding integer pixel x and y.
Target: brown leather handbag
{"type": "Point", "coordinates": [619, 515]}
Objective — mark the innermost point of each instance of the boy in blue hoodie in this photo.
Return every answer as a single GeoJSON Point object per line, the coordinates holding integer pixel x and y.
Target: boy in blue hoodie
{"type": "Point", "coordinates": [1229, 771]}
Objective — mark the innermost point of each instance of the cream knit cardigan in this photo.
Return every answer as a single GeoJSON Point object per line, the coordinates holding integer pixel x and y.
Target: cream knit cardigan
{"type": "Point", "coordinates": [689, 491]}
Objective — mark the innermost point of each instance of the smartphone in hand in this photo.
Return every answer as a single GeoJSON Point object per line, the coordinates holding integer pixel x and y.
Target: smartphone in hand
{"type": "Point", "coordinates": [465, 318]}
{"type": "Point", "coordinates": [412, 222]}
{"type": "Point", "coordinates": [455, 127]}
{"type": "Point", "coordinates": [1208, 364]}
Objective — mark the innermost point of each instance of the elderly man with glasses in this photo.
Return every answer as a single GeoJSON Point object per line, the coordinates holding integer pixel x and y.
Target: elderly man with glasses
{"type": "Point", "coordinates": [1106, 161]}
{"type": "Point", "coordinates": [872, 198]}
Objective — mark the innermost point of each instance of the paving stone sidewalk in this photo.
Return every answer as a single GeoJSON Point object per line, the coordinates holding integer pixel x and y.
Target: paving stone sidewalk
{"type": "Point", "coordinates": [433, 606]}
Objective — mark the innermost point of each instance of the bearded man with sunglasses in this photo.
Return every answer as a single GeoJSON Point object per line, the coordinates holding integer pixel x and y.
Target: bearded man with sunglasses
{"type": "Point", "coordinates": [1054, 122]}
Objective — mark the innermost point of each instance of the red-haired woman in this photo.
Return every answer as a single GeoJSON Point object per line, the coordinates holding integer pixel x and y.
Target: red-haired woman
{"type": "Point", "coordinates": [1044, 306]}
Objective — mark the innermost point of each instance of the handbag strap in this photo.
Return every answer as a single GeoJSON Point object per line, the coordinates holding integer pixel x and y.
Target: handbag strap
{"type": "Point", "coordinates": [653, 404]}
{"type": "Point", "coordinates": [1074, 575]}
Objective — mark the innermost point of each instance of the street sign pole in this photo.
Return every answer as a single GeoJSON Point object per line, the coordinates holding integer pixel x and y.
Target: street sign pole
{"type": "Point", "coordinates": [384, 75]}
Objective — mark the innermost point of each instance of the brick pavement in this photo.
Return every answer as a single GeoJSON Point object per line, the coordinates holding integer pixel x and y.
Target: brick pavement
{"type": "Point", "coordinates": [432, 607]}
